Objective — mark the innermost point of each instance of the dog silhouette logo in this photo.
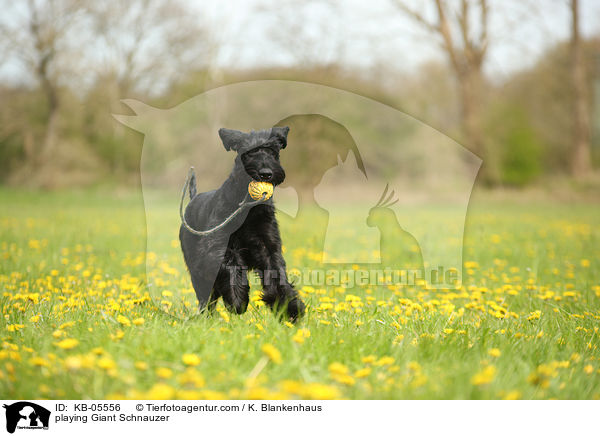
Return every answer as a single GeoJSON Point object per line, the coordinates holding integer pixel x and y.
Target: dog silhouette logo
{"type": "Point", "coordinates": [26, 415]}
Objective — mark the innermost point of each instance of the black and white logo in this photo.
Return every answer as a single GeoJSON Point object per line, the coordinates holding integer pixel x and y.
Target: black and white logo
{"type": "Point", "coordinates": [26, 415]}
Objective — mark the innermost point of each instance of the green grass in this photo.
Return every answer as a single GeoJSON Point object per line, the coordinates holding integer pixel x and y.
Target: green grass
{"type": "Point", "coordinates": [80, 256]}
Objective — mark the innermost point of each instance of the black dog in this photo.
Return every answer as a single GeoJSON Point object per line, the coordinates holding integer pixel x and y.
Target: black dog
{"type": "Point", "coordinates": [219, 262]}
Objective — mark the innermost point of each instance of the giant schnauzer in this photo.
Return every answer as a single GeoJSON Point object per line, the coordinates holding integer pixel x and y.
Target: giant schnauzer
{"type": "Point", "coordinates": [218, 262]}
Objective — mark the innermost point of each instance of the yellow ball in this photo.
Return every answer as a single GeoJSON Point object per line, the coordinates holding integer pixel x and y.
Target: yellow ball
{"type": "Point", "coordinates": [257, 189]}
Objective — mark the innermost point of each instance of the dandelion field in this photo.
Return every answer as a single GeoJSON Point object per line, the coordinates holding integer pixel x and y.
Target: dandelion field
{"type": "Point", "coordinates": [80, 321]}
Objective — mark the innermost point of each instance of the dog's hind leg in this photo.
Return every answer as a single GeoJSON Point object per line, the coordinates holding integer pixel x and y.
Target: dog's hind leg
{"type": "Point", "coordinates": [207, 298]}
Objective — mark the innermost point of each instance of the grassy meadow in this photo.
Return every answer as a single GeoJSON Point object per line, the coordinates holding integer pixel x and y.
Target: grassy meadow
{"type": "Point", "coordinates": [81, 320]}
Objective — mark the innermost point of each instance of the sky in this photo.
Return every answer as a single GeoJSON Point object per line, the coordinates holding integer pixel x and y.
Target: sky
{"type": "Point", "coordinates": [366, 34]}
{"type": "Point", "coordinates": [369, 33]}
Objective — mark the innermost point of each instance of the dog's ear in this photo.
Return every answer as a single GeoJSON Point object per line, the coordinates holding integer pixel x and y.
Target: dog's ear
{"type": "Point", "coordinates": [281, 133]}
{"type": "Point", "coordinates": [232, 139]}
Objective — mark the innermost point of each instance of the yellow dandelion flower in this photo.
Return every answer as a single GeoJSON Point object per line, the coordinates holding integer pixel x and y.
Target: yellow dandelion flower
{"type": "Point", "coordinates": [34, 243]}
{"type": "Point", "coordinates": [138, 321]}
{"type": "Point", "coordinates": [74, 362]}
{"type": "Point", "coordinates": [485, 376]}
{"type": "Point", "coordinates": [190, 359]}
{"type": "Point", "coordinates": [163, 372]}
{"type": "Point", "coordinates": [398, 339]}
{"type": "Point", "coordinates": [385, 361]}
{"type": "Point", "coordinates": [364, 372]}
{"type": "Point", "coordinates": [272, 353]}
{"type": "Point", "coordinates": [39, 361]}
{"type": "Point", "coordinates": [106, 363]}
{"type": "Point", "coordinates": [512, 395]}
{"type": "Point", "coordinates": [66, 325]}
{"type": "Point", "coordinates": [345, 379]}
{"type": "Point", "coordinates": [67, 344]}
{"type": "Point", "coordinates": [160, 391]}
{"type": "Point", "coordinates": [494, 352]}
{"type": "Point", "coordinates": [291, 387]}
{"type": "Point", "coordinates": [338, 368]}
{"type": "Point", "coordinates": [318, 391]}
{"type": "Point", "coordinates": [191, 377]}
{"type": "Point", "coordinates": [301, 335]}
{"type": "Point", "coordinates": [142, 366]}
{"type": "Point", "coordinates": [118, 335]}
{"type": "Point", "coordinates": [588, 369]}
{"type": "Point", "coordinates": [123, 320]}
{"type": "Point", "coordinates": [414, 366]}
{"type": "Point", "coordinates": [369, 359]}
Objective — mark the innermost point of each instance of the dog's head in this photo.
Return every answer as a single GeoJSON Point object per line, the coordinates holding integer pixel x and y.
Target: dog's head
{"type": "Point", "coordinates": [258, 152]}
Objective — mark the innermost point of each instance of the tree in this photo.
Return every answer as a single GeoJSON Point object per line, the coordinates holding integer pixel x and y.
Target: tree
{"type": "Point", "coordinates": [37, 34]}
{"type": "Point", "coordinates": [309, 32]}
{"type": "Point", "coordinates": [143, 48]}
{"type": "Point", "coordinates": [463, 36]}
{"type": "Point", "coordinates": [581, 158]}
{"type": "Point", "coordinates": [147, 44]}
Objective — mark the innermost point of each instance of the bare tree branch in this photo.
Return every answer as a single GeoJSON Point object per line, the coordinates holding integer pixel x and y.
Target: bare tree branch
{"type": "Point", "coordinates": [416, 16]}
{"type": "Point", "coordinates": [447, 37]}
{"type": "Point", "coordinates": [483, 38]}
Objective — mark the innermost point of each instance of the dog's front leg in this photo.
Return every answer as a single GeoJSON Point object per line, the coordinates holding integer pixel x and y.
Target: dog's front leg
{"type": "Point", "coordinates": [278, 292]}
{"type": "Point", "coordinates": [232, 283]}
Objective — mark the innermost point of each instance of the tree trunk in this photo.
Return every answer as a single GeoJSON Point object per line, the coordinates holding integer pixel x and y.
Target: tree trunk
{"type": "Point", "coordinates": [581, 158]}
{"type": "Point", "coordinates": [49, 141]}
{"type": "Point", "coordinates": [470, 96]}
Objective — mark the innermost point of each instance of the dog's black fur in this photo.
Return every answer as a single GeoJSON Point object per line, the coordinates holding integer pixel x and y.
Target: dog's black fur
{"type": "Point", "coordinates": [218, 262]}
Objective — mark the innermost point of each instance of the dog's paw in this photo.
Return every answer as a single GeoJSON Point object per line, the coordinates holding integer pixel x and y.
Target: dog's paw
{"type": "Point", "coordinates": [295, 309]}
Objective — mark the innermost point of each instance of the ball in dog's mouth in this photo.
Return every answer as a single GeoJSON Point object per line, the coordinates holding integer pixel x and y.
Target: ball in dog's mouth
{"type": "Point", "coordinates": [258, 189]}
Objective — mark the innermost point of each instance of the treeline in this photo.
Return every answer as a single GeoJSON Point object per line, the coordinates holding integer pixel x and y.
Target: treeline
{"type": "Point", "coordinates": [57, 129]}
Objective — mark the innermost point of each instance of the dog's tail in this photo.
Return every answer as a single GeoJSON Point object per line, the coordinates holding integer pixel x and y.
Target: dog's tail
{"type": "Point", "coordinates": [192, 183]}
